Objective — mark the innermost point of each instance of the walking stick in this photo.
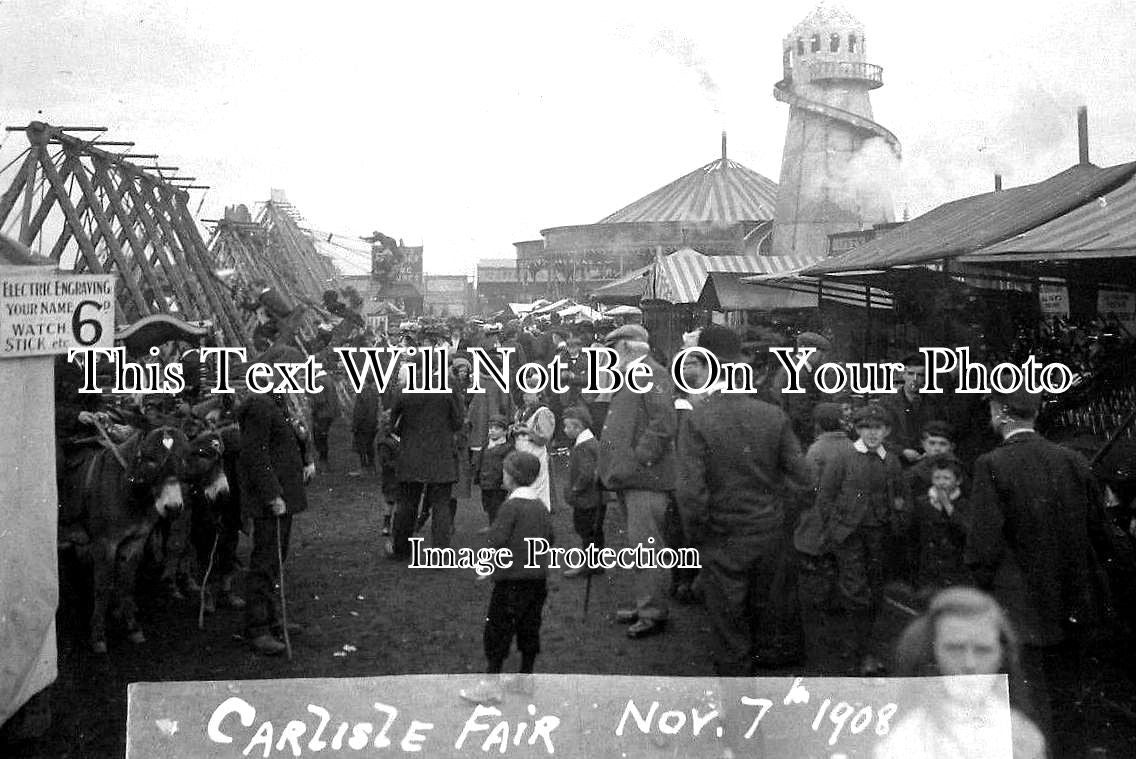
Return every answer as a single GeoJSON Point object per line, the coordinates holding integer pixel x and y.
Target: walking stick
{"type": "Point", "coordinates": [587, 592]}
{"type": "Point", "coordinates": [283, 601]}
{"type": "Point", "coordinates": [205, 582]}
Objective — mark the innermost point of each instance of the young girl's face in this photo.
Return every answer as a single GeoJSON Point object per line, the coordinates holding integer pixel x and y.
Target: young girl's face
{"type": "Point", "coordinates": [944, 480]}
{"type": "Point", "coordinates": [495, 432]}
{"type": "Point", "coordinates": [968, 645]}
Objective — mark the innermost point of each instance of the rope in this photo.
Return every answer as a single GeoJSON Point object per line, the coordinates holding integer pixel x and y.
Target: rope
{"type": "Point", "coordinates": [205, 581]}
{"type": "Point", "coordinates": [283, 601]}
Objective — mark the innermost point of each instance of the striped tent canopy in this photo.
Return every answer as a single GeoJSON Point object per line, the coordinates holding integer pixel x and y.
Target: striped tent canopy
{"type": "Point", "coordinates": [680, 277]}
{"type": "Point", "coordinates": [722, 191]}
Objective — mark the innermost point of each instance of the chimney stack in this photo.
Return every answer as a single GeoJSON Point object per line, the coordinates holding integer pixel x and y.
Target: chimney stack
{"type": "Point", "coordinates": [997, 183]}
{"type": "Point", "coordinates": [723, 144]}
{"type": "Point", "coordinates": [1083, 134]}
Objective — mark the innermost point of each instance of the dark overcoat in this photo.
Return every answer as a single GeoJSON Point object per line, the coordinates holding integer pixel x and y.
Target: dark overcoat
{"type": "Point", "coordinates": [425, 424]}
{"type": "Point", "coordinates": [1035, 509]}
{"type": "Point", "coordinates": [271, 462]}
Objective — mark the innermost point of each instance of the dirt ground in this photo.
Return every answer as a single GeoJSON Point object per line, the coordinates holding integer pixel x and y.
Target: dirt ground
{"type": "Point", "coordinates": [403, 621]}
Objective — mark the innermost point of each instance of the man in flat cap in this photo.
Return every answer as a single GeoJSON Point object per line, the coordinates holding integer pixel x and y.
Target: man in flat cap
{"type": "Point", "coordinates": [799, 406]}
{"type": "Point", "coordinates": [1036, 513]}
{"type": "Point", "coordinates": [636, 461]}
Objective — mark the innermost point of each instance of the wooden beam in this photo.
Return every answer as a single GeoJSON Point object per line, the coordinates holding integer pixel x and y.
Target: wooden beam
{"type": "Point", "coordinates": [73, 220]}
{"type": "Point", "coordinates": [8, 199]}
{"type": "Point", "coordinates": [46, 204]}
{"type": "Point", "coordinates": [29, 196]}
{"type": "Point", "coordinates": [199, 255]}
{"type": "Point", "coordinates": [108, 237]}
{"type": "Point", "coordinates": [126, 230]}
{"type": "Point", "coordinates": [163, 215]}
{"type": "Point", "coordinates": [176, 276]}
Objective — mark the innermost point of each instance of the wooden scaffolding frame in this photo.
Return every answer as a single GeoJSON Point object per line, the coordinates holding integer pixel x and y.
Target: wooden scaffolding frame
{"type": "Point", "coordinates": [92, 210]}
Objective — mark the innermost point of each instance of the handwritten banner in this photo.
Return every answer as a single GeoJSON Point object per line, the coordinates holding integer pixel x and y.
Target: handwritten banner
{"type": "Point", "coordinates": [566, 715]}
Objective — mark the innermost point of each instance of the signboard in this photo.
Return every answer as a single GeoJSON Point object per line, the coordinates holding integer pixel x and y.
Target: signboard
{"type": "Point", "coordinates": [1054, 299]}
{"type": "Point", "coordinates": [566, 715]}
{"type": "Point", "coordinates": [1123, 304]}
{"type": "Point", "coordinates": [43, 313]}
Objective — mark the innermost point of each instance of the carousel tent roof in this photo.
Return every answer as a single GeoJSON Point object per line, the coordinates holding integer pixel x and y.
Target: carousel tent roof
{"type": "Point", "coordinates": [970, 224]}
{"type": "Point", "coordinates": [721, 191]}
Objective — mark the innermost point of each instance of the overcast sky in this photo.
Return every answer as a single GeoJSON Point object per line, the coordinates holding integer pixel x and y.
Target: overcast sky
{"type": "Point", "coordinates": [468, 126]}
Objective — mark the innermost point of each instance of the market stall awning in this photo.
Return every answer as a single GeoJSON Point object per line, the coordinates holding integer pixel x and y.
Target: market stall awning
{"type": "Point", "coordinates": [1104, 228]}
{"type": "Point", "coordinates": [681, 276]}
{"type": "Point", "coordinates": [847, 292]}
{"type": "Point", "coordinates": [970, 224]}
{"type": "Point", "coordinates": [725, 291]}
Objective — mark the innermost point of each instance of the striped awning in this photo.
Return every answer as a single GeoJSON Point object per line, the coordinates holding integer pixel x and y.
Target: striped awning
{"type": "Point", "coordinates": [680, 277]}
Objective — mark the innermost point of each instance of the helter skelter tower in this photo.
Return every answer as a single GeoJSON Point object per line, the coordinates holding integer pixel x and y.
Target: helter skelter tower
{"type": "Point", "coordinates": [832, 143]}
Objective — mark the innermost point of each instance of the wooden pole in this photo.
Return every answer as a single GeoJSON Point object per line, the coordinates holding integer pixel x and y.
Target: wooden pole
{"type": "Point", "coordinates": [29, 195]}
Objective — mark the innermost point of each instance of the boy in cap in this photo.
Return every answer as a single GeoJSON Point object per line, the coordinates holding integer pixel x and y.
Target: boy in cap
{"type": "Point", "coordinates": [583, 493]}
{"type": "Point", "coordinates": [489, 473]}
{"type": "Point", "coordinates": [936, 439]}
{"type": "Point", "coordinates": [519, 590]}
{"type": "Point", "coordinates": [858, 498]}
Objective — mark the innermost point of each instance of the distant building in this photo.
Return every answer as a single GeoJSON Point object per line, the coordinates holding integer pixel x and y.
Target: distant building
{"type": "Point", "coordinates": [722, 208]}
{"type": "Point", "coordinates": [447, 295]}
{"type": "Point", "coordinates": [499, 284]}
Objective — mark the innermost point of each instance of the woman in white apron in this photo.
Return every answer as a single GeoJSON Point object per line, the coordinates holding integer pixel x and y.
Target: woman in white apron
{"type": "Point", "coordinates": [535, 426]}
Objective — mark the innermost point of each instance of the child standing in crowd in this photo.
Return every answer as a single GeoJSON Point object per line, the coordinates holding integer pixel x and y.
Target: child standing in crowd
{"type": "Point", "coordinates": [490, 471]}
{"type": "Point", "coordinates": [858, 498]}
{"type": "Point", "coordinates": [583, 493]}
{"type": "Point", "coordinates": [938, 527]}
{"type": "Point", "coordinates": [519, 591]}
{"type": "Point", "coordinates": [937, 438]}
{"type": "Point", "coordinates": [387, 456]}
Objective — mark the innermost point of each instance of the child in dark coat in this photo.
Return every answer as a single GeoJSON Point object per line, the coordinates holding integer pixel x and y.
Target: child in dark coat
{"type": "Point", "coordinates": [939, 526]}
{"type": "Point", "coordinates": [519, 590]}
{"type": "Point", "coordinates": [489, 474]}
{"type": "Point", "coordinates": [583, 493]}
{"type": "Point", "coordinates": [860, 498]}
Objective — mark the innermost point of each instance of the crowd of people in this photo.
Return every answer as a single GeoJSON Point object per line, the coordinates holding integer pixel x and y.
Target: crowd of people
{"type": "Point", "coordinates": [807, 509]}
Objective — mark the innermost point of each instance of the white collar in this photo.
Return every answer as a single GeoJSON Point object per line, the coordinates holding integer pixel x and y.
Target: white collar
{"type": "Point", "coordinates": [495, 443]}
{"type": "Point", "coordinates": [860, 446]}
{"type": "Point", "coordinates": [584, 437]}
{"type": "Point", "coordinates": [526, 491]}
{"type": "Point", "coordinates": [1018, 431]}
